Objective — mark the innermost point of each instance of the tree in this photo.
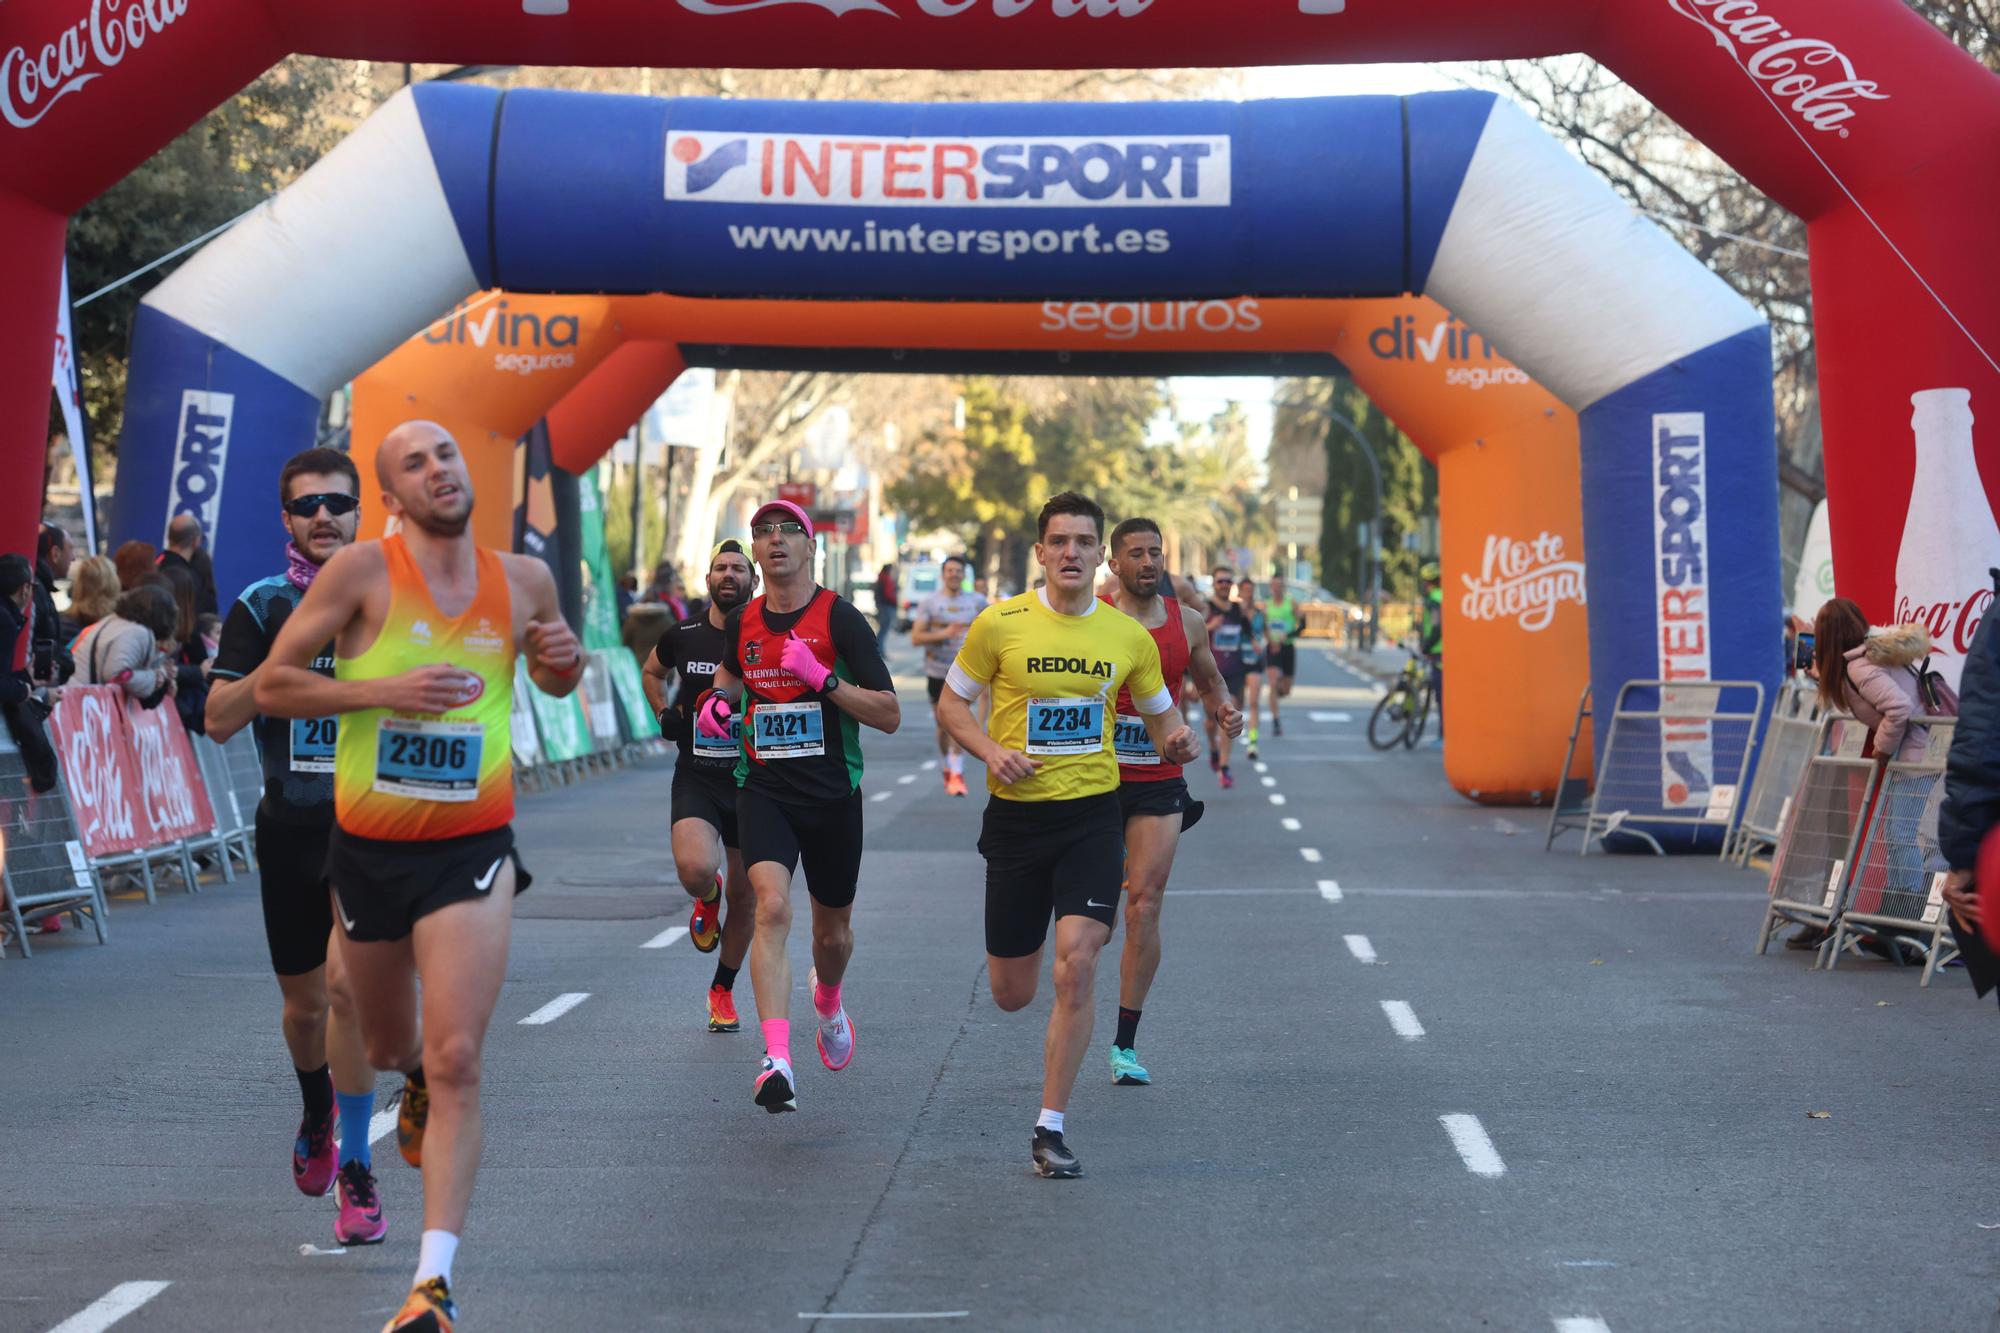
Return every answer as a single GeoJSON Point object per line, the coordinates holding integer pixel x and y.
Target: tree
{"type": "Point", "coordinates": [1409, 484]}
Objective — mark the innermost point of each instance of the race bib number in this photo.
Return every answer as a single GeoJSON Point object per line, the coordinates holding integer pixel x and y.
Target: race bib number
{"type": "Point", "coordinates": [1228, 638]}
{"type": "Point", "coordinates": [312, 743]}
{"type": "Point", "coordinates": [719, 747]}
{"type": "Point", "coordinates": [1130, 741]}
{"type": "Point", "coordinates": [788, 731]}
{"type": "Point", "coordinates": [1065, 726]}
{"type": "Point", "coordinates": [428, 761]}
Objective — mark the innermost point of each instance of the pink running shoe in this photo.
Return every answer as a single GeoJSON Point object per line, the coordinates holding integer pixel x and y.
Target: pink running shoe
{"type": "Point", "coordinates": [315, 1155]}
{"type": "Point", "coordinates": [360, 1221]}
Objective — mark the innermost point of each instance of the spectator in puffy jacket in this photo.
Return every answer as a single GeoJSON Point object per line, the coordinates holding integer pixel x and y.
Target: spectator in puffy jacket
{"type": "Point", "coordinates": [1873, 680]}
{"type": "Point", "coordinates": [133, 647]}
{"type": "Point", "coordinates": [1972, 793]}
{"type": "Point", "coordinates": [17, 599]}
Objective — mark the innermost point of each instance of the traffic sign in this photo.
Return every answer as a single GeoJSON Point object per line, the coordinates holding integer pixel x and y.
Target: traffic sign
{"type": "Point", "coordinates": [1299, 520]}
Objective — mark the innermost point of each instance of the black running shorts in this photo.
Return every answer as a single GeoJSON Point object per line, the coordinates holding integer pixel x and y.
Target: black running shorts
{"type": "Point", "coordinates": [1234, 681]}
{"type": "Point", "coordinates": [825, 837]}
{"type": "Point", "coordinates": [384, 888]}
{"type": "Point", "coordinates": [1286, 659]}
{"type": "Point", "coordinates": [1160, 798]}
{"type": "Point", "coordinates": [1049, 858]}
{"type": "Point", "coordinates": [935, 684]}
{"type": "Point", "coordinates": [709, 797]}
{"type": "Point", "coordinates": [291, 874]}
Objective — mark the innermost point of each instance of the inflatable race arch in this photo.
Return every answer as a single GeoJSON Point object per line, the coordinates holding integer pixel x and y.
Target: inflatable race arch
{"type": "Point", "coordinates": [1856, 115]}
{"type": "Point", "coordinates": [450, 189]}
{"type": "Point", "coordinates": [1506, 448]}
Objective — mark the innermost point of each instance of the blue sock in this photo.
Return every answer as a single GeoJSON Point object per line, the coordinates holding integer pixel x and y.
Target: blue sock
{"type": "Point", "coordinates": [356, 1109]}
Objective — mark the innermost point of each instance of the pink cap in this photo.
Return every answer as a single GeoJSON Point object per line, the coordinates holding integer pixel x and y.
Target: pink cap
{"type": "Point", "coordinates": [789, 508]}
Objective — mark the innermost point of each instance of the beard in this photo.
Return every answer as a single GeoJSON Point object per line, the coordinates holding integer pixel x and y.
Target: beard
{"type": "Point", "coordinates": [728, 598]}
{"type": "Point", "coordinates": [443, 525]}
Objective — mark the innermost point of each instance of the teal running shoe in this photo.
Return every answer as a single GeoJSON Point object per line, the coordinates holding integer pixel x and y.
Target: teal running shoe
{"type": "Point", "coordinates": [1126, 1071]}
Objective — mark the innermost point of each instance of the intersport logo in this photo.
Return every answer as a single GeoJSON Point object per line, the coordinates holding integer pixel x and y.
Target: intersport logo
{"type": "Point", "coordinates": [1814, 75]}
{"type": "Point", "coordinates": [32, 82]}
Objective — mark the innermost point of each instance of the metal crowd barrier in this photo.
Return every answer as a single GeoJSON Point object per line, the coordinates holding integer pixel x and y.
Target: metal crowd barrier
{"type": "Point", "coordinates": [1788, 744]}
{"type": "Point", "coordinates": [1894, 891]}
{"type": "Point", "coordinates": [235, 828]}
{"type": "Point", "coordinates": [1676, 755]}
{"type": "Point", "coordinates": [1820, 828]}
{"type": "Point", "coordinates": [1571, 807]}
{"type": "Point", "coordinates": [42, 865]}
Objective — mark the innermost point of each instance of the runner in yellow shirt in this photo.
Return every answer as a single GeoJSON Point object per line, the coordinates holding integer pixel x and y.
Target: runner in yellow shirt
{"type": "Point", "coordinates": [1054, 833]}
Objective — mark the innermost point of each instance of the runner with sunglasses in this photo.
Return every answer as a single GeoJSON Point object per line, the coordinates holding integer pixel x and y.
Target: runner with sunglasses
{"type": "Point", "coordinates": [320, 490]}
{"type": "Point", "coordinates": [802, 667]}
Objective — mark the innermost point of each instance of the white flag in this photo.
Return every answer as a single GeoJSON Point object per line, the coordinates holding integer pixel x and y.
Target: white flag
{"type": "Point", "coordinates": [69, 395]}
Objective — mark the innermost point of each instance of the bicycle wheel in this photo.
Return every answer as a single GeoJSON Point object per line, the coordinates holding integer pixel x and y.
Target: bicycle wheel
{"type": "Point", "coordinates": [1420, 713]}
{"type": "Point", "coordinates": [1391, 718]}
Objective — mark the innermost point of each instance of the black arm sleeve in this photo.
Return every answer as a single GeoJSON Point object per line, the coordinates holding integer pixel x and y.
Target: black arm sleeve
{"type": "Point", "coordinates": [240, 648]}
{"type": "Point", "coordinates": [854, 643]}
{"type": "Point", "coordinates": [732, 643]}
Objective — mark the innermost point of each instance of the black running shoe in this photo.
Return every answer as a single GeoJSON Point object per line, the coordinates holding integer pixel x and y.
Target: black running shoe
{"type": "Point", "coordinates": [1053, 1158]}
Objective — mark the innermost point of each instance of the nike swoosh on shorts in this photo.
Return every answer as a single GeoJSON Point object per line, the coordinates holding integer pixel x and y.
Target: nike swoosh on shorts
{"type": "Point", "coordinates": [485, 882]}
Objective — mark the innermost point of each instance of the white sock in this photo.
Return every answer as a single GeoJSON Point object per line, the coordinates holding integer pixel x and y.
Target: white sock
{"type": "Point", "coordinates": [434, 1259]}
{"type": "Point", "coordinates": [1051, 1120]}
{"type": "Point", "coordinates": [954, 762]}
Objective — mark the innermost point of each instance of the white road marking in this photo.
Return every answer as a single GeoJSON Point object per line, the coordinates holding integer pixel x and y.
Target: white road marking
{"type": "Point", "coordinates": [111, 1307]}
{"type": "Point", "coordinates": [382, 1122]}
{"type": "Point", "coordinates": [1588, 1323]}
{"type": "Point", "coordinates": [1263, 767]}
{"type": "Point", "coordinates": [906, 779]}
{"type": "Point", "coordinates": [1403, 1019]}
{"type": "Point", "coordinates": [1319, 716]}
{"type": "Point", "coordinates": [665, 937]}
{"type": "Point", "coordinates": [1311, 854]}
{"type": "Point", "coordinates": [1233, 893]}
{"type": "Point", "coordinates": [930, 764]}
{"type": "Point", "coordinates": [881, 796]}
{"type": "Point", "coordinates": [914, 1314]}
{"type": "Point", "coordinates": [555, 1008]}
{"type": "Point", "coordinates": [1291, 825]}
{"type": "Point", "coordinates": [1474, 1148]}
{"type": "Point", "coordinates": [1330, 890]}
{"type": "Point", "coordinates": [1268, 782]}
{"type": "Point", "coordinates": [1359, 946]}
{"type": "Point", "coordinates": [1277, 798]}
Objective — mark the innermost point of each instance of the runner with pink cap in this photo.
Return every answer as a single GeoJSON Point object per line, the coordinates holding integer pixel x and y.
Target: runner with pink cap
{"type": "Point", "coordinates": [801, 667]}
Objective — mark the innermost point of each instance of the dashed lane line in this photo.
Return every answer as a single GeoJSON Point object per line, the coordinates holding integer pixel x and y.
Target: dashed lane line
{"type": "Point", "coordinates": [1588, 1323]}
{"type": "Point", "coordinates": [906, 779]}
{"type": "Point", "coordinates": [909, 1314]}
{"type": "Point", "coordinates": [1403, 1019]}
{"type": "Point", "coordinates": [665, 937]}
{"type": "Point", "coordinates": [555, 1008]}
{"type": "Point", "coordinates": [111, 1307]}
{"type": "Point", "coordinates": [1277, 798]}
{"type": "Point", "coordinates": [881, 796]}
{"type": "Point", "coordinates": [1475, 1149]}
{"type": "Point", "coordinates": [1263, 767]}
{"type": "Point", "coordinates": [1268, 782]}
{"type": "Point", "coordinates": [1330, 890]}
{"type": "Point", "coordinates": [1291, 825]}
{"type": "Point", "coordinates": [1309, 854]}
{"type": "Point", "coordinates": [930, 764]}
{"type": "Point", "coordinates": [1358, 945]}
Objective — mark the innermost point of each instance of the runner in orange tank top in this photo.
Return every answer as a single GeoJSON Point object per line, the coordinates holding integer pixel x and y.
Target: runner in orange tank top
{"type": "Point", "coordinates": [426, 627]}
{"type": "Point", "coordinates": [1154, 794]}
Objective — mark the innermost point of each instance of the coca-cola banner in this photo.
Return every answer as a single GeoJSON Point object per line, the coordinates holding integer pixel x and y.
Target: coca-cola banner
{"type": "Point", "coordinates": [100, 769]}
{"type": "Point", "coordinates": [130, 772]}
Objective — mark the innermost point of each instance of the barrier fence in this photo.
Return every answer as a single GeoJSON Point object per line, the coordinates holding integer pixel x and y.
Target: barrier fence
{"type": "Point", "coordinates": [137, 792]}
{"type": "Point", "coordinates": [1571, 807]}
{"type": "Point", "coordinates": [1675, 757]}
{"type": "Point", "coordinates": [1788, 745]}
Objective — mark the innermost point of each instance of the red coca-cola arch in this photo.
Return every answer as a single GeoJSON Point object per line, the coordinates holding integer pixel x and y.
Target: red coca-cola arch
{"type": "Point", "coordinates": [1855, 114]}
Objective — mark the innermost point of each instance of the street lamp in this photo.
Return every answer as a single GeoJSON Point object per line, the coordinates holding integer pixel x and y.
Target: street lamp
{"type": "Point", "coordinates": [1373, 574]}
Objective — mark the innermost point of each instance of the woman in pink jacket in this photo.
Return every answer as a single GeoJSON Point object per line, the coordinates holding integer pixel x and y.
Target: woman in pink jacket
{"type": "Point", "coordinates": [1867, 672]}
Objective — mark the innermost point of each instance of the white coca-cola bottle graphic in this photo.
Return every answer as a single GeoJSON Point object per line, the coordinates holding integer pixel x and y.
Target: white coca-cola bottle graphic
{"type": "Point", "coordinates": [1950, 539]}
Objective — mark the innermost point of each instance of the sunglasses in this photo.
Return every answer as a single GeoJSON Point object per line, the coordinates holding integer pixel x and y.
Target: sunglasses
{"type": "Point", "coordinates": [1224, 583]}
{"type": "Point", "coordinates": [335, 503]}
{"type": "Point", "coordinates": [790, 527]}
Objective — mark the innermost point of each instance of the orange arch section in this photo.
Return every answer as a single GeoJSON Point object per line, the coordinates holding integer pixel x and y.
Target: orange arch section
{"type": "Point", "coordinates": [1506, 449]}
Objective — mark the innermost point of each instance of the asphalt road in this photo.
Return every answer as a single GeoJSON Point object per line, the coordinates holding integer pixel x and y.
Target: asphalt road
{"type": "Point", "coordinates": [1412, 1073]}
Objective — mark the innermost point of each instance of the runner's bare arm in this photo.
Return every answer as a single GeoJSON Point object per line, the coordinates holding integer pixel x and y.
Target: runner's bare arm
{"type": "Point", "coordinates": [653, 679]}
{"type": "Point", "coordinates": [1207, 676]}
{"type": "Point", "coordinates": [288, 687]}
{"type": "Point", "coordinates": [232, 704]}
{"type": "Point", "coordinates": [954, 714]}
{"type": "Point", "coordinates": [871, 708]}
{"type": "Point", "coordinates": [922, 633]}
{"type": "Point", "coordinates": [555, 658]}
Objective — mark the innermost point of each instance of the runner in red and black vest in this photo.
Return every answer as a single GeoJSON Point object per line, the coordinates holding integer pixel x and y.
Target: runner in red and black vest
{"type": "Point", "coordinates": [1152, 791]}
{"type": "Point", "coordinates": [802, 666]}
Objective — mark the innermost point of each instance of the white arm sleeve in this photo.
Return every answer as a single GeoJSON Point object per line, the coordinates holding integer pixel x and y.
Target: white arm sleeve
{"type": "Point", "coordinates": [963, 683]}
{"type": "Point", "coordinates": [1155, 703]}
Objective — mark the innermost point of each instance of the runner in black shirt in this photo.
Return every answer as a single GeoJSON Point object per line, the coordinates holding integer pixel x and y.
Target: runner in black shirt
{"type": "Point", "coordinates": [802, 668]}
{"type": "Point", "coordinates": [704, 800]}
{"type": "Point", "coordinates": [319, 490]}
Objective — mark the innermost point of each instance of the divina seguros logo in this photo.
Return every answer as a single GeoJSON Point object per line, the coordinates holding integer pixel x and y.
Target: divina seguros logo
{"type": "Point", "coordinates": [1122, 321]}
{"type": "Point", "coordinates": [521, 339]}
{"type": "Point", "coordinates": [32, 82]}
{"type": "Point", "coordinates": [991, 171]}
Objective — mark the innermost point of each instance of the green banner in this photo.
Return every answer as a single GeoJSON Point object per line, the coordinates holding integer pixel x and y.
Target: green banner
{"type": "Point", "coordinates": [559, 722]}
{"type": "Point", "coordinates": [600, 594]}
{"type": "Point", "coordinates": [640, 723]}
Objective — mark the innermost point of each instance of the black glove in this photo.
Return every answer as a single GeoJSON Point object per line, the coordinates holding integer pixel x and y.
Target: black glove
{"type": "Point", "coordinates": [670, 722]}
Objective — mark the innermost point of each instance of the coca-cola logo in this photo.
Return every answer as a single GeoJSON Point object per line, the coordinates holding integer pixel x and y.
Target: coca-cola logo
{"type": "Point", "coordinates": [942, 9]}
{"type": "Point", "coordinates": [96, 782]}
{"type": "Point", "coordinates": [1950, 623]}
{"type": "Point", "coordinates": [32, 82]}
{"type": "Point", "coordinates": [1814, 75]}
{"type": "Point", "coordinates": [1522, 581]}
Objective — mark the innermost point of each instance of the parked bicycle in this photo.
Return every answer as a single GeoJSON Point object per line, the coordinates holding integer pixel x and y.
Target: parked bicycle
{"type": "Point", "coordinates": [1401, 714]}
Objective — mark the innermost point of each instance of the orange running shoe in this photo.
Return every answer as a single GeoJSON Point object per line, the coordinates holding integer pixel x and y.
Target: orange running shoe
{"type": "Point", "coordinates": [705, 922]}
{"type": "Point", "coordinates": [428, 1310]}
{"type": "Point", "coordinates": [722, 1011]}
{"type": "Point", "coordinates": [954, 783]}
{"type": "Point", "coordinates": [411, 1117]}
